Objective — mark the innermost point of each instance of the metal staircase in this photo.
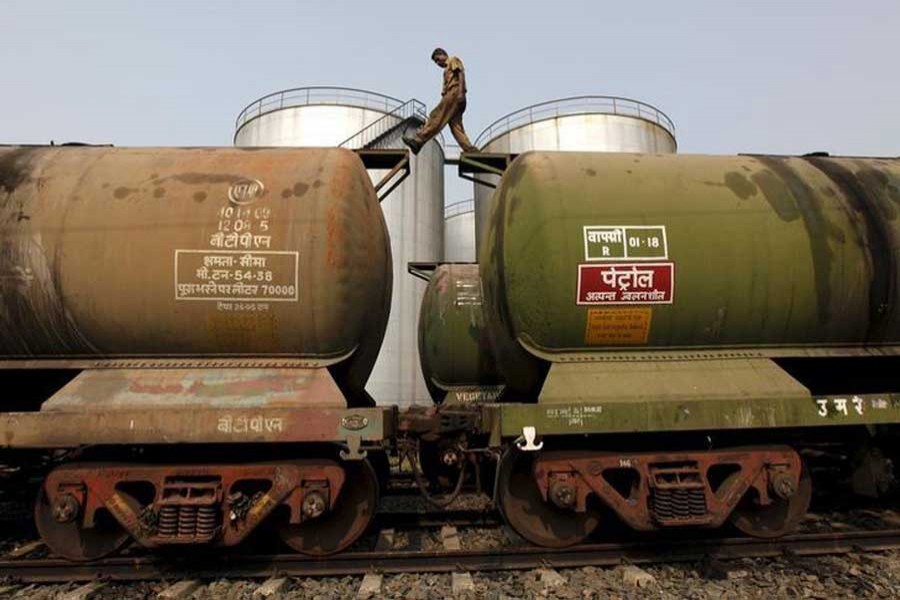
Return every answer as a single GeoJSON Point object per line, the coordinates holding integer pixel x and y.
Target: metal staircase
{"type": "Point", "coordinates": [409, 113]}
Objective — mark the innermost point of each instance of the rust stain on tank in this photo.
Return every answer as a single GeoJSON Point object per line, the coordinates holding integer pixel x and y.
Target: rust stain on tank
{"type": "Point", "coordinates": [300, 188]}
{"type": "Point", "coordinates": [156, 389]}
{"type": "Point", "coordinates": [335, 240]}
{"type": "Point", "coordinates": [204, 178]}
{"type": "Point", "coordinates": [123, 192]}
{"type": "Point", "coordinates": [265, 384]}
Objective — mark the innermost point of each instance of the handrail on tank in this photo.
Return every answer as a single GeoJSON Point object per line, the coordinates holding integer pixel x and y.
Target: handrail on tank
{"type": "Point", "coordinates": [379, 127]}
{"type": "Point", "coordinates": [314, 95]}
{"type": "Point", "coordinates": [575, 105]}
{"type": "Point", "coordinates": [459, 208]}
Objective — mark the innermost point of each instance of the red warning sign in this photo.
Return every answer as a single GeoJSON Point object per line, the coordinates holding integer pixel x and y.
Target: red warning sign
{"type": "Point", "coordinates": [626, 283]}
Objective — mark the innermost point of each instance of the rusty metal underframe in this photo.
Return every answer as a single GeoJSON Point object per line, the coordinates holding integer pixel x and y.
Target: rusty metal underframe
{"type": "Point", "coordinates": [194, 504]}
{"type": "Point", "coordinates": [65, 429]}
{"type": "Point", "coordinates": [668, 488]}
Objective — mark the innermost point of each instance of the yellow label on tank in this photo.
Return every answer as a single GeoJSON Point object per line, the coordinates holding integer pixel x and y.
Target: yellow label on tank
{"type": "Point", "coordinates": [617, 326]}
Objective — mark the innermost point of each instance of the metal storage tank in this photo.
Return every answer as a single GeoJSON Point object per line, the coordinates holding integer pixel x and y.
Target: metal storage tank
{"type": "Point", "coordinates": [351, 118]}
{"type": "Point", "coordinates": [459, 231]}
{"type": "Point", "coordinates": [580, 123]}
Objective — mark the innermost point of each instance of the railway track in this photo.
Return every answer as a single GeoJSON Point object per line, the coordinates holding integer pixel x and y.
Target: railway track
{"type": "Point", "coordinates": [152, 567]}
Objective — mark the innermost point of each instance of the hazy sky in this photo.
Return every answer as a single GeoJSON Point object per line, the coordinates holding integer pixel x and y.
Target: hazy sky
{"type": "Point", "coordinates": [755, 76]}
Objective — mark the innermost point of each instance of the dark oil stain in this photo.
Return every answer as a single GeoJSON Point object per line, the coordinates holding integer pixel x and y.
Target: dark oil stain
{"type": "Point", "coordinates": [76, 198]}
{"type": "Point", "coordinates": [629, 171]}
{"type": "Point", "coordinates": [300, 188]}
{"type": "Point", "coordinates": [740, 185]}
{"type": "Point", "coordinates": [591, 172]}
{"type": "Point", "coordinates": [317, 184]}
{"type": "Point", "coordinates": [875, 182]}
{"type": "Point", "coordinates": [879, 235]}
{"type": "Point", "coordinates": [286, 193]}
{"type": "Point", "coordinates": [802, 198]}
{"type": "Point", "coordinates": [199, 196]}
{"type": "Point", "coordinates": [510, 183]}
{"type": "Point", "coordinates": [777, 194]}
{"type": "Point", "coordinates": [105, 185]}
{"type": "Point", "coordinates": [894, 192]}
{"type": "Point", "coordinates": [159, 192]}
{"type": "Point", "coordinates": [123, 192]}
{"type": "Point", "coordinates": [14, 169]}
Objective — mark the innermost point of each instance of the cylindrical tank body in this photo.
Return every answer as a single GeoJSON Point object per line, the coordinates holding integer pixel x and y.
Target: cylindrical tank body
{"type": "Point", "coordinates": [588, 253]}
{"type": "Point", "coordinates": [207, 253]}
{"type": "Point", "coordinates": [453, 342]}
{"type": "Point", "coordinates": [582, 124]}
{"type": "Point", "coordinates": [413, 211]}
{"type": "Point", "coordinates": [459, 232]}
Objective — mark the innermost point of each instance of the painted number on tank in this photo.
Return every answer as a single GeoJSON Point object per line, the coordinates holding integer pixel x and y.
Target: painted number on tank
{"type": "Point", "coordinates": [625, 242]}
{"type": "Point", "coordinates": [575, 416]}
{"type": "Point", "coordinates": [225, 275]}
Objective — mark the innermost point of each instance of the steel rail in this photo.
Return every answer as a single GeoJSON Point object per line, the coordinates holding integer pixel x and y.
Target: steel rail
{"type": "Point", "coordinates": [502, 559]}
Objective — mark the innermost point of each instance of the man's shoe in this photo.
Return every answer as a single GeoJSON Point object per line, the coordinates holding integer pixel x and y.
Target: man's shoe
{"type": "Point", "coordinates": [414, 145]}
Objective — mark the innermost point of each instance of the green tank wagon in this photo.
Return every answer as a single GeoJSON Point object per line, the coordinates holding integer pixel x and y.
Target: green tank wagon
{"type": "Point", "coordinates": [678, 334]}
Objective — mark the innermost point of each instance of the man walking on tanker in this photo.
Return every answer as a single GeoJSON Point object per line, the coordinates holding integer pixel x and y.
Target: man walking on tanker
{"type": "Point", "coordinates": [451, 107]}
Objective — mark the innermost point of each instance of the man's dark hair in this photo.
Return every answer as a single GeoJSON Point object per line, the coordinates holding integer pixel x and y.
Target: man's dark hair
{"type": "Point", "coordinates": [438, 52]}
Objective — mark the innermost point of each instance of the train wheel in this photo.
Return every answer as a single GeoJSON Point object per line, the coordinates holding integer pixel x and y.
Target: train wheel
{"type": "Point", "coordinates": [777, 519]}
{"type": "Point", "coordinates": [335, 530]}
{"type": "Point", "coordinates": [61, 529]}
{"type": "Point", "coordinates": [525, 510]}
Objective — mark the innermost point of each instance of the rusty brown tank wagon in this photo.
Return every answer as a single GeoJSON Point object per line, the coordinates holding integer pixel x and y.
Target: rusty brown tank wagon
{"type": "Point", "coordinates": [708, 322]}
{"type": "Point", "coordinates": [179, 300]}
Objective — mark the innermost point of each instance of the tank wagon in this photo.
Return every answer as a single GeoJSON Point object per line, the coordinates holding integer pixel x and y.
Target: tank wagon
{"type": "Point", "coordinates": [682, 339]}
{"type": "Point", "coordinates": [184, 327]}
{"type": "Point", "coordinates": [454, 347]}
{"type": "Point", "coordinates": [670, 341]}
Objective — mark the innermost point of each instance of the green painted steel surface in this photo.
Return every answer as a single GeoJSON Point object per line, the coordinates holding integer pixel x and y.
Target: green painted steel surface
{"type": "Point", "coordinates": [723, 252]}
{"type": "Point", "coordinates": [693, 414]}
{"type": "Point", "coordinates": [453, 343]}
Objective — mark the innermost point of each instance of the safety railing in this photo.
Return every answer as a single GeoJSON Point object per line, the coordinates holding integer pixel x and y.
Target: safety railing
{"type": "Point", "coordinates": [459, 208]}
{"type": "Point", "coordinates": [316, 95]}
{"type": "Point", "coordinates": [368, 135]}
{"type": "Point", "coordinates": [576, 105]}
